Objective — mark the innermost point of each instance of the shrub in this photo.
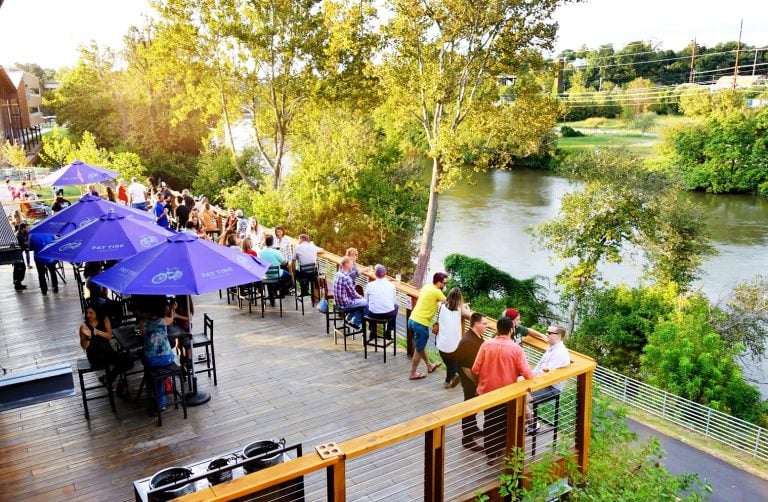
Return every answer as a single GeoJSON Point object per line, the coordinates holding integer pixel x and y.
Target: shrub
{"type": "Point", "coordinates": [570, 132]}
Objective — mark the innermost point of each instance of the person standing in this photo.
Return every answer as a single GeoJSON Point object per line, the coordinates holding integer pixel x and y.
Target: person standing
{"type": "Point", "coordinates": [61, 203]}
{"type": "Point", "coordinates": [122, 192]}
{"type": "Point", "coordinates": [556, 356]}
{"type": "Point", "coordinates": [181, 212]}
{"type": "Point", "coordinates": [137, 195]}
{"type": "Point", "coordinates": [499, 362]}
{"type": "Point", "coordinates": [519, 331]}
{"type": "Point", "coordinates": [22, 236]}
{"type": "Point", "coordinates": [465, 355]}
{"type": "Point", "coordinates": [381, 298]}
{"type": "Point", "coordinates": [450, 316]}
{"type": "Point", "coordinates": [37, 241]}
{"type": "Point", "coordinates": [421, 319]}
{"type": "Point", "coordinates": [161, 214]}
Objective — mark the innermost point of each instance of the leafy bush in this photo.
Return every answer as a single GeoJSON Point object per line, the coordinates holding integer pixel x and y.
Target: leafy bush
{"type": "Point", "coordinates": [491, 290]}
{"type": "Point", "coordinates": [570, 132]}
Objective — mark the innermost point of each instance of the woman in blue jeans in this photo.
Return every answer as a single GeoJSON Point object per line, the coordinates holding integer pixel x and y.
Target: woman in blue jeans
{"type": "Point", "coordinates": [150, 310]}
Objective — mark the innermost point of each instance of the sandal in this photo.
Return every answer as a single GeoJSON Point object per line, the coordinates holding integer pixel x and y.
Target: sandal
{"type": "Point", "coordinates": [435, 366]}
{"type": "Point", "coordinates": [417, 376]}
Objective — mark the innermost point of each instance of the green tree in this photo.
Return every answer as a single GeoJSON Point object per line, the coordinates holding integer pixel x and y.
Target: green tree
{"type": "Point", "coordinates": [440, 69]}
{"type": "Point", "coordinates": [687, 357]}
{"type": "Point", "coordinates": [622, 204]}
{"type": "Point", "coordinates": [615, 323]}
{"type": "Point", "coordinates": [643, 121]}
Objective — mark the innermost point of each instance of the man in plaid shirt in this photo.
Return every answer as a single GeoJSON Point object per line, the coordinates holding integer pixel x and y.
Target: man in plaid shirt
{"type": "Point", "coordinates": [344, 295]}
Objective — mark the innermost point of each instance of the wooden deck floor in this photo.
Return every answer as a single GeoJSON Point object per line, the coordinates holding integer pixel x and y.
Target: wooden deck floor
{"type": "Point", "coordinates": [278, 377]}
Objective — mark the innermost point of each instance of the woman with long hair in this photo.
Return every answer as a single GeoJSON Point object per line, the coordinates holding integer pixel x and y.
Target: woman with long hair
{"type": "Point", "coordinates": [450, 319]}
{"type": "Point", "coordinates": [95, 335]}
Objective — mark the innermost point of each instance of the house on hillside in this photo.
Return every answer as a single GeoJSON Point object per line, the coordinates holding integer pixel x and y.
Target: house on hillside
{"type": "Point", "coordinates": [742, 82]}
{"type": "Point", "coordinates": [20, 116]}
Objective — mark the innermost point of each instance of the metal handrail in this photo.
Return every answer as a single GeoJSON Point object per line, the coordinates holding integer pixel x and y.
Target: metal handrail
{"type": "Point", "coordinates": [711, 423]}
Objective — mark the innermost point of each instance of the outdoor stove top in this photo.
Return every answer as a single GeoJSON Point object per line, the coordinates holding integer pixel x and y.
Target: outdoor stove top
{"type": "Point", "coordinates": [197, 476]}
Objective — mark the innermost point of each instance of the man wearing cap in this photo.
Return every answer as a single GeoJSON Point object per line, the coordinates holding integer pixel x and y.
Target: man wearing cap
{"type": "Point", "coordinates": [241, 225]}
{"type": "Point", "coordinates": [556, 356]}
{"type": "Point", "coordinates": [500, 362]}
{"type": "Point", "coordinates": [382, 302]}
{"type": "Point", "coordinates": [519, 330]}
{"type": "Point", "coordinates": [61, 203]}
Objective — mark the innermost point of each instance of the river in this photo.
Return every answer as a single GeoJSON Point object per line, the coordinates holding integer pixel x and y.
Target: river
{"type": "Point", "coordinates": [488, 219]}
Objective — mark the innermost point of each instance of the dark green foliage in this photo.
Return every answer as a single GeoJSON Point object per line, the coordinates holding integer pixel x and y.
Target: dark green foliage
{"type": "Point", "coordinates": [724, 153]}
{"type": "Point", "coordinates": [177, 169]}
{"type": "Point", "coordinates": [490, 290]}
{"type": "Point", "coordinates": [615, 324]}
{"type": "Point", "coordinates": [570, 132]}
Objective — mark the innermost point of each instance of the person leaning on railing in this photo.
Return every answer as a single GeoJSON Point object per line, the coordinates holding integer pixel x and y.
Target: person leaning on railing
{"type": "Point", "coordinates": [465, 355]}
{"type": "Point", "coordinates": [556, 356]}
{"type": "Point", "coordinates": [421, 319]}
{"type": "Point", "coordinates": [500, 362]}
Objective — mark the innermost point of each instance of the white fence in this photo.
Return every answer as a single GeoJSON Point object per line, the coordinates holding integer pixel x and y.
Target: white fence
{"type": "Point", "coordinates": [721, 427]}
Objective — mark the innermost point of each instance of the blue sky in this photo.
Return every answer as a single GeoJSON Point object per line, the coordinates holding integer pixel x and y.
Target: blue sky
{"type": "Point", "coordinates": [48, 32]}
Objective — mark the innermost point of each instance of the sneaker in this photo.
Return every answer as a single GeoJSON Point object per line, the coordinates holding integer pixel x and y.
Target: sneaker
{"type": "Point", "coordinates": [455, 381]}
{"type": "Point", "coordinates": [533, 428]}
{"type": "Point", "coordinates": [447, 385]}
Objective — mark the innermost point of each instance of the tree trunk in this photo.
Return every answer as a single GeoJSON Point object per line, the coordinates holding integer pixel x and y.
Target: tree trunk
{"type": "Point", "coordinates": [425, 250]}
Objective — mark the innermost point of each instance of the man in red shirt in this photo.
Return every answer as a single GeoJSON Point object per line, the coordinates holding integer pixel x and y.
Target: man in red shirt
{"type": "Point", "coordinates": [499, 362]}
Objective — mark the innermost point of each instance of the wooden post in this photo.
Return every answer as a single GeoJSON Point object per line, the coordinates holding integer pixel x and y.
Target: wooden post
{"type": "Point", "coordinates": [583, 418]}
{"type": "Point", "coordinates": [515, 425]}
{"type": "Point", "coordinates": [336, 482]}
{"type": "Point", "coordinates": [434, 464]}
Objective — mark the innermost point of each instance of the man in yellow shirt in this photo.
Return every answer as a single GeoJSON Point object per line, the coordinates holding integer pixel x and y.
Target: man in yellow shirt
{"type": "Point", "coordinates": [421, 320]}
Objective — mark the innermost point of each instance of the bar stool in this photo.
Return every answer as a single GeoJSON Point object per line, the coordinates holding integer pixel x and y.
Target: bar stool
{"type": "Point", "coordinates": [83, 368]}
{"type": "Point", "coordinates": [347, 328]}
{"type": "Point", "coordinates": [378, 341]}
{"type": "Point", "coordinates": [157, 375]}
{"type": "Point", "coordinates": [304, 284]}
{"type": "Point", "coordinates": [553, 424]}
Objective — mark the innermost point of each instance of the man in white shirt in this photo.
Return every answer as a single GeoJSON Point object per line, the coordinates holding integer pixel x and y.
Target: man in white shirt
{"type": "Point", "coordinates": [306, 254]}
{"type": "Point", "coordinates": [382, 302]}
{"type": "Point", "coordinates": [556, 356]}
{"type": "Point", "coordinates": [137, 195]}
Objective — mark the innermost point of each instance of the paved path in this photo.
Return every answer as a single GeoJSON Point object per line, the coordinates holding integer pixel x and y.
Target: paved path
{"type": "Point", "coordinates": [729, 483]}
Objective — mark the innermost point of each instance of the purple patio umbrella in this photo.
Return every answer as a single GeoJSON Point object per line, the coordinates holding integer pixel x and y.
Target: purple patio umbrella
{"type": "Point", "coordinates": [183, 265]}
{"type": "Point", "coordinates": [89, 208]}
{"type": "Point", "coordinates": [111, 237]}
{"type": "Point", "coordinates": [78, 173]}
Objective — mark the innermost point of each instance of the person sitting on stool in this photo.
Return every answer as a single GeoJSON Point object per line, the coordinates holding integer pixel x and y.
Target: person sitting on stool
{"type": "Point", "coordinates": [381, 300]}
{"type": "Point", "coordinates": [556, 356]}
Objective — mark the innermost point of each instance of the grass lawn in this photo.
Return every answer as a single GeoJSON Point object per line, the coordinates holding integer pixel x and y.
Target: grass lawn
{"type": "Point", "coordinates": [605, 133]}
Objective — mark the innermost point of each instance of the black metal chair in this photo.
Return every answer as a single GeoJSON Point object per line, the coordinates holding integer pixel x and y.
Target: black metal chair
{"type": "Point", "coordinates": [251, 293]}
{"type": "Point", "coordinates": [377, 341]}
{"type": "Point", "coordinates": [347, 329]}
{"type": "Point", "coordinates": [155, 377]}
{"type": "Point", "coordinates": [83, 368]}
{"type": "Point", "coordinates": [332, 315]}
{"type": "Point", "coordinates": [80, 287]}
{"type": "Point", "coordinates": [304, 284]}
{"type": "Point", "coordinates": [205, 340]}
{"type": "Point", "coordinates": [273, 284]}
{"type": "Point", "coordinates": [552, 421]}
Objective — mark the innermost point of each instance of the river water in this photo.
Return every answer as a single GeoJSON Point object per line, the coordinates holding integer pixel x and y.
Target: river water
{"type": "Point", "coordinates": [488, 219]}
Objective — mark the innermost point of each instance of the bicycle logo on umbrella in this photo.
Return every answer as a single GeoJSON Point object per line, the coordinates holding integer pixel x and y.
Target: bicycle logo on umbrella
{"type": "Point", "coordinates": [70, 246]}
{"type": "Point", "coordinates": [148, 241]}
{"type": "Point", "coordinates": [87, 221]}
{"type": "Point", "coordinates": [170, 274]}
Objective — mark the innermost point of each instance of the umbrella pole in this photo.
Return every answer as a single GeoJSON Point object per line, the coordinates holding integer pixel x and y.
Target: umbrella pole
{"type": "Point", "coordinates": [194, 397]}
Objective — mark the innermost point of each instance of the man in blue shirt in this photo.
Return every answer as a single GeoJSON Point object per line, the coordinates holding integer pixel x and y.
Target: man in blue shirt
{"type": "Point", "coordinates": [161, 215]}
{"type": "Point", "coordinates": [37, 241]}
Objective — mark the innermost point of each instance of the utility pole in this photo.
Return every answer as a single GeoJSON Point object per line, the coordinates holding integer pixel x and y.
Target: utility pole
{"type": "Point", "coordinates": [754, 63]}
{"type": "Point", "coordinates": [693, 62]}
{"type": "Point", "coordinates": [738, 47]}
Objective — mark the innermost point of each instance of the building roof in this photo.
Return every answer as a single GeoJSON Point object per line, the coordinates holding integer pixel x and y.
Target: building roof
{"type": "Point", "coordinates": [7, 89]}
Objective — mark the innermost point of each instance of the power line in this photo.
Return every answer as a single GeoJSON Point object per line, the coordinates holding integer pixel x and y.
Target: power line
{"type": "Point", "coordinates": [649, 61]}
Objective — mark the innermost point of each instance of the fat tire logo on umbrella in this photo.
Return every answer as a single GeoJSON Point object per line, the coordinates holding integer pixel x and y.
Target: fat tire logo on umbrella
{"type": "Point", "coordinates": [170, 274]}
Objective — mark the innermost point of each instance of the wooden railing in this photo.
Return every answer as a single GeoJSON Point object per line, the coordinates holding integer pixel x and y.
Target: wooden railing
{"type": "Point", "coordinates": [432, 426]}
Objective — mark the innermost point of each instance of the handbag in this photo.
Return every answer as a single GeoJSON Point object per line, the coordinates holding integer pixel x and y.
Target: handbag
{"type": "Point", "coordinates": [322, 306]}
{"type": "Point", "coordinates": [436, 328]}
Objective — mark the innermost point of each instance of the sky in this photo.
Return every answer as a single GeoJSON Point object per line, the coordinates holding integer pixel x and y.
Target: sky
{"type": "Point", "coordinates": [49, 32]}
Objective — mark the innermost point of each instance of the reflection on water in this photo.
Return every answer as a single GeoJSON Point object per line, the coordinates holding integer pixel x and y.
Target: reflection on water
{"type": "Point", "coordinates": [488, 219]}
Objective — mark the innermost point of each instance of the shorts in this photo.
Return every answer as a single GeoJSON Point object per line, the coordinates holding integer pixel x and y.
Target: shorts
{"type": "Point", "coordinates": [420, 334]}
